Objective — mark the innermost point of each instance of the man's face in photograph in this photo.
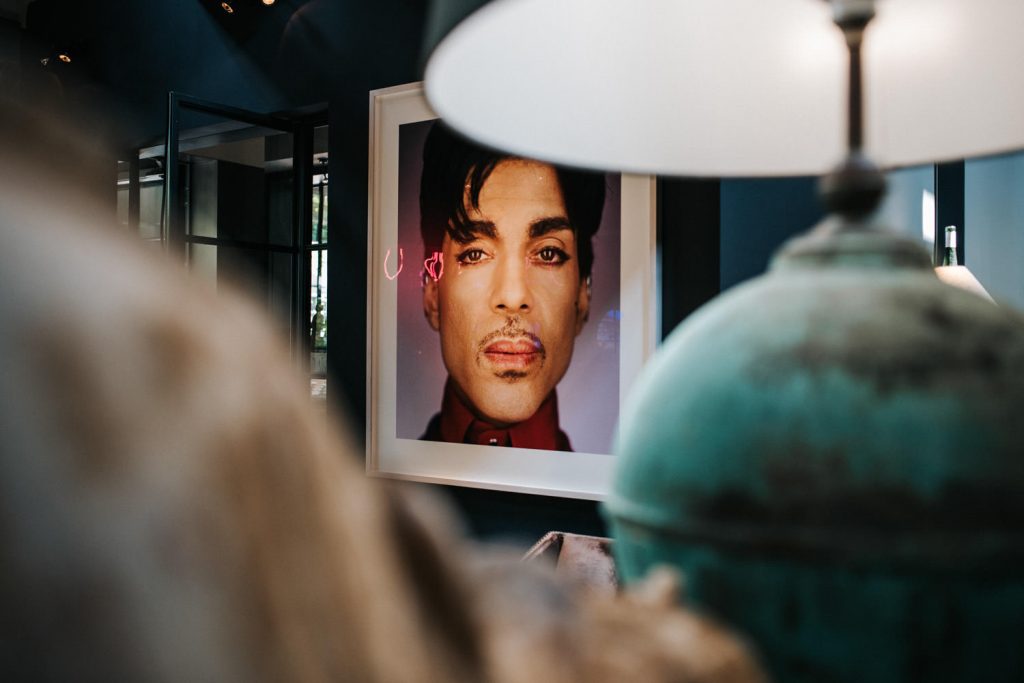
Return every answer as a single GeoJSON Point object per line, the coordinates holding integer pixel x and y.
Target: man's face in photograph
{"type": "Point", "coordinates": [510, 301]}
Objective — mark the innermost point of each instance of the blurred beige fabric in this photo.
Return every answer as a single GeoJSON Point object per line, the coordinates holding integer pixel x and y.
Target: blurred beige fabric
{"type": "Point", "coordinates": [171, 509]}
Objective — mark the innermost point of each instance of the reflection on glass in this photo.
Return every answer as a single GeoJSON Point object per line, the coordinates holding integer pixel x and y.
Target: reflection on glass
{"type": "Point", "coordinates": [235, 210]}
{"type": "Point", "coordinates": [928, 216]}
{"type": "Point", "coordinates": [122, 195]}
{"type": "Point", "coordinates": [262, 274]}
{"type": "Point", "coordinates": [150, 180]}
{"type": "Point", "coordinates": [239, 183]}
{"type": "Point", "coordinates": [905, 207]}
{"type": "Point", "coordinates": [318, 270]}
{"type": "Point", "coordinates": [319, 225]}
{"type": "Point", "coordinates": [202, 262]}
{"type": "Point", "coordinates": [151, 207]}
{"type": "Point", "coordinates": [993, 237]}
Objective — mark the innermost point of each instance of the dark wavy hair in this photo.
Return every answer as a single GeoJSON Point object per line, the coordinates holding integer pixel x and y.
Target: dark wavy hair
{"type": "Point", "coordinates": [450, 162]}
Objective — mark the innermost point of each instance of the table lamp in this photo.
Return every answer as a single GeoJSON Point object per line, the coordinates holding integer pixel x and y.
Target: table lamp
{"type": "Point", "coordinates": [832, 452]}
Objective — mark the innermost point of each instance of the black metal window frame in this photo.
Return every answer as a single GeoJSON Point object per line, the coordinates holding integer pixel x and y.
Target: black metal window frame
{"type": "Point", "coordinates": [175, 235]}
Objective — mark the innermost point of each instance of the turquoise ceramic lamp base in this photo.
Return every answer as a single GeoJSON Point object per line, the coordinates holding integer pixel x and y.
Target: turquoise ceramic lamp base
{"type": "Point", "coordinates": [832, 454]}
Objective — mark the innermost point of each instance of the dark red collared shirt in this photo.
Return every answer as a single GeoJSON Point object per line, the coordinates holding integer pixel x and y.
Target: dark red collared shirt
{"type": "Point", "coordinates": [457, 424]}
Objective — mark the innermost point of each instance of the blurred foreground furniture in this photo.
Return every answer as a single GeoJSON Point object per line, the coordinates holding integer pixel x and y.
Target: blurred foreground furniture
{"type": "Point", "coordinates": [584, 560]}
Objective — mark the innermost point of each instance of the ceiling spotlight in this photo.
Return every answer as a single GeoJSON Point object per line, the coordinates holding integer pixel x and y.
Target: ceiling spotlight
{"type": "Point", "coordinates": [58, 55]}
{"type": "Point", "coordinates": [226, 6]}
{"type": "Point", "coordinates": [268, 3]}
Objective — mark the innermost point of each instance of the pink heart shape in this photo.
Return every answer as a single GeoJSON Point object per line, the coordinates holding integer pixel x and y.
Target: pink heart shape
{"type": "Point", "coordinates": [435, 266]}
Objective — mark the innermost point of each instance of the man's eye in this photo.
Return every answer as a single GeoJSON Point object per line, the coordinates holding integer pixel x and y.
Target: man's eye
{"type": "Point", "coordinates": [552, 255]}
{"type": "Point", "coordinates": [471, 256]}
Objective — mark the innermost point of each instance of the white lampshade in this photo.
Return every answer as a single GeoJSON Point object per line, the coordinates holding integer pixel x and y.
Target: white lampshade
{"type": "Point", "coordinates": [730, 87]}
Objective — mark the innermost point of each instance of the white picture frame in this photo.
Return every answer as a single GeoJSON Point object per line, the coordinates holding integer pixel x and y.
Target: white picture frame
{"type": "Point", "coordinates": [584, 475]}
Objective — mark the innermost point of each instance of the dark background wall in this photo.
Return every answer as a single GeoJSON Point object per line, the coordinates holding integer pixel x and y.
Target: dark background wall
{"type": "Point", "coordinates": [757, 216]}
{"type": "Point", "coordinates": [128, 55]}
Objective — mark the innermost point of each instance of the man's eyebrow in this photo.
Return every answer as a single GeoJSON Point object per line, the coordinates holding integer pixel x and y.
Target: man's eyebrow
{"type": "Point", "coordinates": [471, 230]}
{"type": "Point", "coordinates": [542, 226]}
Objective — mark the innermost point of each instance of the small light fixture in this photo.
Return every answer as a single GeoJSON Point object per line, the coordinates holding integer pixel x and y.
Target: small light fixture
{"type": "Point", "coordinates": [226, 6]}
{"type": "Point", "coordinates": [62, 56]}
{"type": "Point", "coordinates": [268, 3]}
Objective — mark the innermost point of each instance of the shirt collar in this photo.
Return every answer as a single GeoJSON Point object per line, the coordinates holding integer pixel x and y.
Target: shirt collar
{"type": "Point", "coordinates": [538, 431]}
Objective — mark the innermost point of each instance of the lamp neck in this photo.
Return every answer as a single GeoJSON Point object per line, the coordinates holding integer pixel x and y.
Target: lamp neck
{"type": "Point", "coordinates": [855, 188]}
{"type": "Point", "coordinates": [852, 17]}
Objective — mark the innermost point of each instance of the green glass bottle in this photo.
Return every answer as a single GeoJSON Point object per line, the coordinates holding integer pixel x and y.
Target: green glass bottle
{"type": "Point", "coordinates": [949, 258]}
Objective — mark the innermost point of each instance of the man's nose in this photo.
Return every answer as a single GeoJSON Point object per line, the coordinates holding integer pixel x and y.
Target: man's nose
{"type": "Point", "coordinates": [511, 291]}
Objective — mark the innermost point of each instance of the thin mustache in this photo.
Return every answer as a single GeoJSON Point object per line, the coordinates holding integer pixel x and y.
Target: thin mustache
{"type": "Point", "coordinates": [512, 329]}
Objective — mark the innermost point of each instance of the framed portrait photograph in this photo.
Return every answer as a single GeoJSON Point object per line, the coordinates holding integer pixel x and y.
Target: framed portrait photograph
{"type": "Point", "coordinates": [511, 303]}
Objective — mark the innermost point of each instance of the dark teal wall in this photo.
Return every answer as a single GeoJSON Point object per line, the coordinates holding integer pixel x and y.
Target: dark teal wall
{"type": "Point", "coordinates": [757, 216]}
{"type": "Point", "coordinates": [994, 225]}
{"type": "Point", "coordinates": [298, 52]}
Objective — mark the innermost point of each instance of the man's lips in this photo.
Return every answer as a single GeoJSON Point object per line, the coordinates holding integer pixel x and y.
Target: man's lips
{"type": "Point", "coordinates": [513, 353]}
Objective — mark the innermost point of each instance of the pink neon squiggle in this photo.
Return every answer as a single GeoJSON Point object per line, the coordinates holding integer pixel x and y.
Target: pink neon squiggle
{"type": "Point", "coordinates": [434, 266]}
{"type": "Point", "coordinates": [401, 264]}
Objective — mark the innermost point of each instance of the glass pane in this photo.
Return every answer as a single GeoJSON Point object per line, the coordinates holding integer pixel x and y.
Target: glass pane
{"type": "Point", "coordinates": [238, 182]}
{"type": "Point", "coordinates": [994, 225]}
{"type": "Point", "coordinates": [263, 275]}
{"type": "Point", "coordinates": [318, 326]}
{"type": "Point", "coordinates": [320, 167]}
{"type": "Point", "coordinates": [909, 203]}
{"type": "Point", "coordinates": [151, 192]}
{"type": "Point", "coordinates": [151, 206]}
{"type": "Point", "coordinates": [317, 304]}
{"type": "Point", "coordinates": [122, 195]}
{"type": "Point", "coordinates": [319, 232]}
{"type": "Point", "coordinates": [279, 287]}
{"type": "Point", "coordinates": [202, 262]}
